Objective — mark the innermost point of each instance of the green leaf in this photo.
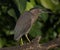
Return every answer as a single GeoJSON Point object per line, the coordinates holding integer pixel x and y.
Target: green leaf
{"type": "Point", "coordinates": [54, 34]}
{"type": "Point", "coordinates": [56, 2]}
{"type": "Point", "coordinates": [48, 4]}
{"type": "Point", "coordinates": [8, 32]}
{"type": "Point", "coordinates": [21, 4]}
{"type": "Point", "coordinates": [12, 13]}
{"type": "Point", "coordinates": [33, 2]}
{"type": "Point", "coordinates": [29, 6]}
{"type": "Point", "coordinates": [58, 29]}
{"type": "Point", "coordinates": [0, 13]}
{"type": "Point", "coordinates": [44, 16]}
{"type": "Point", "coordinates": [36, 29]}
{"type": "Point", "coordinates": [51, 33]}
{"type": "Point", "coordinates": [2, 42]}
{"type": "Point", "coordinates": [38, 1]}
{"type": "Point", "coordinates": [4, 9]}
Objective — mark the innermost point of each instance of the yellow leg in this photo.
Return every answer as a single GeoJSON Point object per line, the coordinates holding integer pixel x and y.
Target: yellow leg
{"type": "Point", "coordinates": [21, 41]}
{"type": "Point", "coordinates": [27, 37]}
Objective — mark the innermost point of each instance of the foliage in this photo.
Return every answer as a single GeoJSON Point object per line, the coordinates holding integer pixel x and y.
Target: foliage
{"type": "Point", "coordinates": [47, 25]}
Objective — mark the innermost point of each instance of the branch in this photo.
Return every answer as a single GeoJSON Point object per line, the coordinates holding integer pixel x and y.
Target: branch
{"type": "Point", "coordinates": [34, 45]}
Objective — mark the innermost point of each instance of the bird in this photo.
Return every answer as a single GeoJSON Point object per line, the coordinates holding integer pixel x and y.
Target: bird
{"type": "Point", "coordinates": [25, 23]}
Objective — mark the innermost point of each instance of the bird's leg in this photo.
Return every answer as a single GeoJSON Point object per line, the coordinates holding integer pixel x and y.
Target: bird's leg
{"type": "Point", "coordinates": [26, 35]}
{"type": "Point", "coordinates": [21, 41]}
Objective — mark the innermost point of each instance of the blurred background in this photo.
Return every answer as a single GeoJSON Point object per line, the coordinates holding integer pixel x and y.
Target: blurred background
{"type": "Point", "coordinates": [47, 25]}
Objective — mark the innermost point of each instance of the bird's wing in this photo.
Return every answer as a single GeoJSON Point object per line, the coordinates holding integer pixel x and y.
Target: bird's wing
{"type": "Point", "coordinates": [23, 25]}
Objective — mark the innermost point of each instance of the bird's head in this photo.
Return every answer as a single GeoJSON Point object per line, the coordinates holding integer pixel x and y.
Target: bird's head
{"type": "Point", "coordinates": [36, 11]}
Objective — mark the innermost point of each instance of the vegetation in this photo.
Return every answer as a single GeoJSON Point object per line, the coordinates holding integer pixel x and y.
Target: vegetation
{"type": "Point", "coordinates": [47, 25]}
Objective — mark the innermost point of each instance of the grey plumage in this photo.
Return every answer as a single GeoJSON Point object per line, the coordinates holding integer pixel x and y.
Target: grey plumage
{"type": "Point", "coordinates": [22, 25]}
{"type": "Point", "coordinates": [25, 22]}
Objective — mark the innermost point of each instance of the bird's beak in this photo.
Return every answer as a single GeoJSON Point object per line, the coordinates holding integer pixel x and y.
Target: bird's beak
{"type": "Point", "coordinates": [44, 11]}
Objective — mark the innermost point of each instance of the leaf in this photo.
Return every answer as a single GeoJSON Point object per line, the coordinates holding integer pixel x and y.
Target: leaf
{"type": "Point", "coordinates": [21, 5]}
{"type": "Point", "coordinates": [44, 16]}
{"type": "Point", "coordinates": [33, 2]}
{"type": "Point", "coordinates": [56, 2]}
{"type": "Point", "coordinates": [12, 13]}
{"type": "Point", "coordinates": [2, 42]}
{"type": "Point", "coordinates": [35, 30]}
{"type": "Point", "coordinates": [0, 13]}
{"type": "Point", "coordinates": [48, 4]}
{"type": "Point", "coordinates": [29, 6]}
{"type": "Point", "coordinates": [58, 29]}
{"type": "Point", "coordinates": [54, 34]}
{"type": "Point", "coordinates": [51, 33]}
{"type": "Point", "coordinates": [8, 32]}
{"type": "Point", "coordinates": [4, 9]}
{"type": "Point", "coordinates": [38, 1]}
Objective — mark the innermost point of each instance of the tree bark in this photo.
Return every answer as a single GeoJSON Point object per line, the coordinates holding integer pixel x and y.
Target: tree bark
{"type": "Point", "coordinates": [34, 45]}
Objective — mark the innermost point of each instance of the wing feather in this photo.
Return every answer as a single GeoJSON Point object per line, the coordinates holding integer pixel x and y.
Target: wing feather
{"type": "Point", "coordinates": [23, 25]}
